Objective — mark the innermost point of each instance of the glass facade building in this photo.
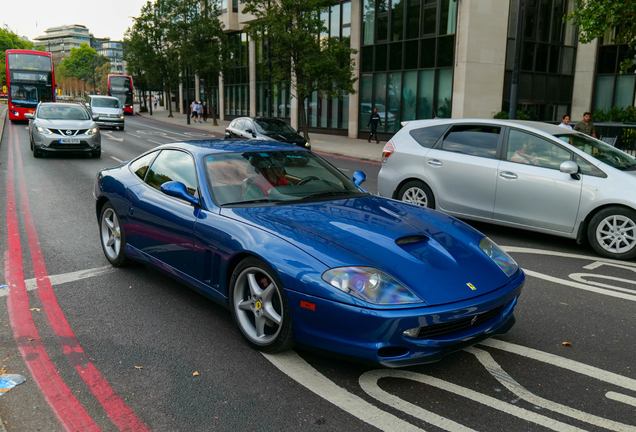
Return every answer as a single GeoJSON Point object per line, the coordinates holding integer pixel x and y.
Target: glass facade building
{"type": "Point", "coordinates": [611, 87]}
{"type": "Point", "coordinates": [236, 85]}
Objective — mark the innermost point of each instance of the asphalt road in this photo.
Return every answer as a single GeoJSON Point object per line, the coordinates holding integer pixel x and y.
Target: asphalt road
{"type": "Point", "coordinates": [174, 360]}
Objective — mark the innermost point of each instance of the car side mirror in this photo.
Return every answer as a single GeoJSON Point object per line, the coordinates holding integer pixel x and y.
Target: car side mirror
{"type": "Point", "coordinates": [95, 117]}
{"type": "Point", "coordinates": [178, 190]}
{"type": "Point", "coordinates": [249, 131]}
{"type": "Point", "coordinates": [28, 116]}
{"type": "Point", "coordinates": [359, 177]}
{"type": "Point", "coordinates": [569, 167]}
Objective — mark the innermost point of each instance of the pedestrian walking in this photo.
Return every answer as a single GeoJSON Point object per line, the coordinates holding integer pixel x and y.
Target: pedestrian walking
{"type": "Point", "coordinates": [566, 122]}
{"type": "Point", "coordinates": [193, 110]}
{"type": "Point", "coordinates": [205, 112]}
{"type": "Point", "coordinates": [586, 126]}
{"type": "Point", "coordinates": [199, 111]}
{"type": "Point", "coordinates": [155, 102]}
{"type": "Point", "coordinates": [373, 122]}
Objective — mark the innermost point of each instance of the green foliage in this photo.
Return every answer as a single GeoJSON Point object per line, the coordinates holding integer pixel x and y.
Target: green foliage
{"type": "Point", "coordinates": [9, 40]}
{"type": "Point", "coordinates": [615, 114]}
{"type": "Point", "coordinates": [83, 63]}
{"type": "Point", "coordinates": [299, 48]}
{"type": "Point", "coordinates": [503, 115]}
{"type": "Point", "coordinates": [593, 18]}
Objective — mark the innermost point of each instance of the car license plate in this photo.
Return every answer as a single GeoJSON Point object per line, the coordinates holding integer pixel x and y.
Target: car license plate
{"type": "Point", "coordinates": [110, 124]}
{"type": "Point", "coordinates": [69, 141]}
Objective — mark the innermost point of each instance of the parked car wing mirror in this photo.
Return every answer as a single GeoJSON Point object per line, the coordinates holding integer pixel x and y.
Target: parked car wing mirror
{"type": "Point", "coordinates": [569, 167]}
{"type": "Point", "coordinates": [178, 190]}
{"type": "Point", "coordinates": [95, 117]}
{"type": "Point", "coordinates": [28, 116]}
{"type": "Point", "coordinates": [359, 177]}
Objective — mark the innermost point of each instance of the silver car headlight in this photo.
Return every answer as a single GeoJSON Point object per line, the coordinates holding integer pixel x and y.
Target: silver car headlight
{"type": "Point", "coordinates": [121, 117]}
{"type": "Point", "coordinates": [501, 258]}
{"type": "Point", "coordinates": [92, 131]}
{"type": "Point", "coordinates": [370, 285]}
{"type": "Point", "coordinates": [43, 130]}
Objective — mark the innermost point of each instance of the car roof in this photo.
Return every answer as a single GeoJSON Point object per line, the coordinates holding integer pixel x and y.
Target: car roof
{"type": "Point", "coordinates": [205, 147]}
{"type": "Point", "coordinates": [56, 104]}
{"type": "Point", "coordinates": [528, 125]}
{"type": "Point", "coordinates": [103, 96]}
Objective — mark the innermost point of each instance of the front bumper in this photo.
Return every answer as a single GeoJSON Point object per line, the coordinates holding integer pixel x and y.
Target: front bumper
{"type": "Point", "coordinates": [51, 143]}
{"type": "Point", "coordinates": [376, 335]}
{"type": "Point", "coordinates": [112, 123]}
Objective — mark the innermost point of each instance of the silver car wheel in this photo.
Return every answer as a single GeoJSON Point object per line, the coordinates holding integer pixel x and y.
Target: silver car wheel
{"type": "Point", "coordinates": [415, 196]}
{"type": "Point", "coordinates": [616, 234]}
{"type": "Point", "coordinates": [258, 306]}
{"type": "Point", "coordinates": [111, 233]}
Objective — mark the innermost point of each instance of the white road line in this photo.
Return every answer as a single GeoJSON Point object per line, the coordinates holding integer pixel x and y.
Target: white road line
{"type": "Point", "coordinates": [621, 398]}
{"type": "Point", "coordinates": [110, 136]}
{"type": "Point", "coordinates": [507, 381]}
{"type": "Point", "coordinates": [155, 142]}
{"type": "Point", "coordinates": [32, 284]}
{"type": "Point", "coordinates": [369, 383]}
{"type": "Point", "coordinates": [118, 160]}
{"type": "Point", "coordinates": [573, 284]}
{"type": "Point", "coordinates": [300, 371]}
{"type": "Point", "coordinates": [579, 277]}
{"type": "Point", "coordinates": [572, 365]}
{"type": "Point", "coordinates": [514, 249]}
{"type": "Point", "coordinates": [153, 127]}
{"type": "Point", "coordinates": [136, 136]}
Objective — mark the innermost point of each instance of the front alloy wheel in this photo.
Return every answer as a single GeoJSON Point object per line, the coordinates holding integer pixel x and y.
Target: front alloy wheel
{"type": "Point", "coordinates": [259, 307]}
{"type": "Point", "coordinates": [112, 237]}
{"type": "Point", "coordinates": [612, 233]}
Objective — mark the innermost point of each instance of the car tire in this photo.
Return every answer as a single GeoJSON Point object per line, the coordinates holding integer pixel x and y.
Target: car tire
{"type": "Point", "coordinates": [261, 313]}
{"type": "Point", "coordinates": [97, 153]}
{"type": "Point", "coordinates": [418, 193]}
{"type": "Point", "coordinates": [121, 128]}
{"type": "Point", "coordinates": [112, 237]}
{"type": "Point", "coordinates": [37, 153]}
{"type": "Point", "coordinates": [612, 233]}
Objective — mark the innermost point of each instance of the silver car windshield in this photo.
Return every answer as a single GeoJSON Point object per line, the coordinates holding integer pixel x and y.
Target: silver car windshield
{"type": "Point", "coordinates": [601, 151]}
{"type": "Point", "coordinates": [61, 112]}
{"type": "Point", "coordinates": [105, 103]}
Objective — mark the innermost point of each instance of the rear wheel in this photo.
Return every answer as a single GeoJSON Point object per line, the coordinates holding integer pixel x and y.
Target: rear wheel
{"type": "Point", "coordinates": [259, 307]}
{"type": "Point", "coordinates": [112, 237]}
{"type": "Point", "coordinates": [418, 193]}
{"type": "Point", "coordinates": [612, 233]}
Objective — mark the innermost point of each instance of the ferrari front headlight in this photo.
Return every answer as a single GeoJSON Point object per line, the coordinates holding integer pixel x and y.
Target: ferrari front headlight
{"type": "Point", "coordinates": [501, 258]}
{"type": "Point", "coordinates": [370, 285]}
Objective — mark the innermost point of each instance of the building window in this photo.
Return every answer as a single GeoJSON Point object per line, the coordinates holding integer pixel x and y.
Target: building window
{"type": "Point", "coordinates": [408, 73]}
{"type": "Point", "coordinates": [236, 84]}
{"type": "Point", "coordinates": [613, 88]}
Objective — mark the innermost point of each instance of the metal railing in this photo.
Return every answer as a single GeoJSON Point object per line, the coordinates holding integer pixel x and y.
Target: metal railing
{"type": "Point", "coordinates": [625, 134]}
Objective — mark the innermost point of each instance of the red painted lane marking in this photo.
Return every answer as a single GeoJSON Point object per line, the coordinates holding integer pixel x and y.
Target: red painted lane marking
{"type": "Point", "coordinates": [114, 406]}
{"type": "Point", "coordinates": [67, 409]}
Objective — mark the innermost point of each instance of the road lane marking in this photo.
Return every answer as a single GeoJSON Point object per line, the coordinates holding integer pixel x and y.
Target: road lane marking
{"type": "Point", "coordinates": [507, 381]}
{"type": "Point", "coordinates": [154, 127]}
{"type": "Point", "coordinates": [621, 398]}
{"type": "Point", "coordinates": [579, 278]}
{"type": "Point", "coordinates": [515, 249]}
{"type": "Point", "coordinates": [573, 284]}
{"type": "Point", "coordinates": [562, 362]}
{"type": "Point", "coordinates": [110, 136]}
{"type": "Point", "coordinates": [118, 160]}
{"type": "Point", "coordinates": [369, 383]}
{"type": "Point", "coordinates": [63, 278]}
{"type": "Point", "coordinates": [155, 142]}
{"type": "Point", "coordinates": [136, 136]}
{"type": "Point", "coordinates": [300, 371]}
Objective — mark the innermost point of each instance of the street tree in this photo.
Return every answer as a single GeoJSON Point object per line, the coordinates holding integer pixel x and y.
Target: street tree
{"type": "Point", "coordinates": [299, 49]}
{"type": "Point", "coordinates": [83, 63]}
{"type": "Point", "coordinates": [594, 18]}
{"type": "Point", "coordinates": [10, 40]}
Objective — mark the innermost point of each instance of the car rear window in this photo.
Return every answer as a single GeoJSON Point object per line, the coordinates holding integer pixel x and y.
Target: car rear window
{"type": "Point", "coordinates": [475, 140]}
{"type": "Point", "coordinates": [428, 136]}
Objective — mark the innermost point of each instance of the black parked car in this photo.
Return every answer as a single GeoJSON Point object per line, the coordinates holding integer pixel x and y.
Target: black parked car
{"type": "Point", "coordinates": [264, 129]}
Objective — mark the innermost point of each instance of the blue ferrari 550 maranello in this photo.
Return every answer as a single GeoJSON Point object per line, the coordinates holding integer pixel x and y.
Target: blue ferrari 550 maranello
{"type": "Point", "coordinates": [302, 255]}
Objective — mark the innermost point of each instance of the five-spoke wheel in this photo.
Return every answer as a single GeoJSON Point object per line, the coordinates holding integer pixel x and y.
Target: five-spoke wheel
{"type": "Point", "coordinates": [259, 306]}
{"type": "Point", "coordinates": [112, 236]}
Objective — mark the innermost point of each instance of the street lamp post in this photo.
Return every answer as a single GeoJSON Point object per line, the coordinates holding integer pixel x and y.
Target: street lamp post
{"type": "Point", "coordinates": [188, 95]}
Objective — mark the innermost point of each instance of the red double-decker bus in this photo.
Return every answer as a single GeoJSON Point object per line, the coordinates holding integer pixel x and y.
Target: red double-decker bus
{"type": "Point", "coordinates": [121, 87]}
{"type": "Point", "coordinates": [30, 80]}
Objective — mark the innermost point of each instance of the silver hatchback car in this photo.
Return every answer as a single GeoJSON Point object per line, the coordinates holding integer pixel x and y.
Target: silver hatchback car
{"type": "Point", "coordinates": [63, 127]}
{"type": "Point", "coordinates": [527, 175]}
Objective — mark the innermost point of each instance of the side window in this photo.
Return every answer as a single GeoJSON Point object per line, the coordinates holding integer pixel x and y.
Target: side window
{"type": "Point", "coordinates": [140, 166]}
{"type": "Point", "coordinates": [173, 165]}
{"type": "Point", "coordinates": [248, 125]}
{"type": "Point", "coordinates": [587, 168]}
{"type": "Point", "coordinates": [530, 149]}
{"type": "Point", "coordinates": [475, 140]}
{"type": "Point", "coordinates": [428, 136]}
{"type": "Point", "coordinates": [233, 123]}
{"type": "Point", "coordinates": [239, 124]}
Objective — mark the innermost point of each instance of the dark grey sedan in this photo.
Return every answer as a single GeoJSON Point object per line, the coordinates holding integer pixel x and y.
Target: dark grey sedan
{"type": "Point", "coordinates": [63, 127]}
{"type": "Point", "coordinates": [267, 129]}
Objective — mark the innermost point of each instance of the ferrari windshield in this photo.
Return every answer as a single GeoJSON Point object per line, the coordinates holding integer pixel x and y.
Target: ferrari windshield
{"type": "Point", "coordinates": [601, 151]}
{"type": "Point", "coordinates": [252, 178]}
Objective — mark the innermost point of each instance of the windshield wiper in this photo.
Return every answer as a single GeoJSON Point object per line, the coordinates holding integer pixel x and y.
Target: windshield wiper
{"type": "Point", "coordinates": [328, 194]}
{"type": "Point", "coordinates": [258, 200]}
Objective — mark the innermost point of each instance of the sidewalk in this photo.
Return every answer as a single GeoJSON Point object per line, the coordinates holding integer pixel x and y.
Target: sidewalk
{"type": "Point", "coordinates": [320, 143]}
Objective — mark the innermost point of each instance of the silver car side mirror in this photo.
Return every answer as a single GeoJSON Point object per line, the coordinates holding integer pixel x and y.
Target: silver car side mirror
{"type": "Point", "coordinates": [95, 117]}
{"type": "Point", "coordinates": [569, 167]}
{"type": "Point", "coordinates": [28, 116]}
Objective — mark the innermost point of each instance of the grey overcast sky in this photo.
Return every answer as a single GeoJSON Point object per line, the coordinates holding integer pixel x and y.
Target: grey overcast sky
{"type": "Point", "coordinates": [108, 18]}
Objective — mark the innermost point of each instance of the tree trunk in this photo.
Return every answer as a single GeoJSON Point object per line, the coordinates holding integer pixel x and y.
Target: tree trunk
{"type": "Point", "coordinates": [303, 117]}
{"type": "Point", "coordinates": [169, 101]}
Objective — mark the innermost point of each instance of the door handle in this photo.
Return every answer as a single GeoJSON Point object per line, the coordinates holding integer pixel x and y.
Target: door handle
{"type": "Point", "coordinates": [508, 175]}
{"type": "Point", "coordinates": [434, 162]}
